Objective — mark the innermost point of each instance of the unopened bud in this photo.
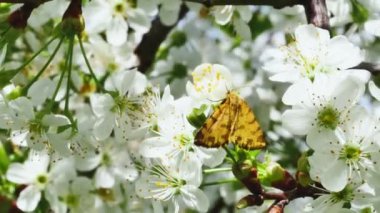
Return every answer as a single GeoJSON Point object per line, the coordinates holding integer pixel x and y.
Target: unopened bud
{"type": "Point", "coordinates": [250, 200]}
{"type": "Point", "coordinates": [15, 93]}
{"type": "Point", "coordinates": [304, 179]}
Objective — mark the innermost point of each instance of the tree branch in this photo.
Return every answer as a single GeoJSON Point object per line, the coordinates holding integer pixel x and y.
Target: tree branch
{"type": "Point", "coordinates": [273, 3]}
{"type": "Point", "coordinates": [372, 68]}
{"type": "Point", "coordinates": [35, 2]}
{"type": "Point", "coordinates": [317, 13]}
{"type": "Point", "coordinates": [151, 41]}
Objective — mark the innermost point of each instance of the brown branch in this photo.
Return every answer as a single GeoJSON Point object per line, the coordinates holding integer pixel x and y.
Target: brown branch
{"type": "Point", "coordinates": [372, 68]}
{"type": "Point", "coordinates": [36, 2]}
{"type": "Point", "coordinates": [317, 13]}
{"type": "Point", "coordinates": [151, 41]}
{"type": "Point", "coordinates": [273, 3]}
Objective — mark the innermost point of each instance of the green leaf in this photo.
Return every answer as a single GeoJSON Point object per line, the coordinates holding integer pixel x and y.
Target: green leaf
{"type": "Point", "coordinates": [197, 117]}
{"type": "Point", "coordinates": [359, 12]}
{"type": "Point", "coordinates": [4, 160]}
{"type": "Point", "coordinates": [6, 77]}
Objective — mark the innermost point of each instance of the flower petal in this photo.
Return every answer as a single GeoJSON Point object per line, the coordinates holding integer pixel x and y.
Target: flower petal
{"type": "Point", "coordinates": [195, 198]}
{"type": "Point", "coordinates": [29, 198]}
{"type": "Point", "coordinates": [298, 121]}
{"type": "Point", "coordinates": [336, 177]}
{"type": "Point", "coordinates": [103, 178]}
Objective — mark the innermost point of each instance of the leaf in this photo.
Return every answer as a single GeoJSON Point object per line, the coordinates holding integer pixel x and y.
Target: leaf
{"type": "Point", "coordinates": [6, 77]}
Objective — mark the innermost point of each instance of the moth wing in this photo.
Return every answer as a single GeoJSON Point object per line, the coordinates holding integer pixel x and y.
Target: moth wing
{"type": "Point", "coordinates": [216, 129]}
{"type": "Point", "coordinates": [246, 131]}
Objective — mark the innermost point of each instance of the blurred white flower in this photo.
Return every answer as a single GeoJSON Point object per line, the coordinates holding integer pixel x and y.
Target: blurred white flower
{"type": "Point", "coordinates": [314, 52]}
{"type": "Point", "coordinates": [178, 184]}
{"type": "Point", "coordinates": [111, 110]}
{"type": "Point", "coordinates": [352, 151]}
{"type": "Point", "coordinates": [321, 105]}
{"type": "Point", "coordinates": [115, 17]}
{"type": "Point", "coordinates": [34, 173]}
{"type": "Point", "coordinates": [211, 82]}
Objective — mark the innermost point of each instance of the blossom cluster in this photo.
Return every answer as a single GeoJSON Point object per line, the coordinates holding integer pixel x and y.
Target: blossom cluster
{"type": "Point", "coordinates": [83, 129]}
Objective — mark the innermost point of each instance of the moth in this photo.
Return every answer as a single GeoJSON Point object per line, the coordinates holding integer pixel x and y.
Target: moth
{"type": "Point", "coordinates": [233, 121]}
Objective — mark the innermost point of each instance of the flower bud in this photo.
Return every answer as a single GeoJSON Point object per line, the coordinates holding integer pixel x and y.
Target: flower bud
{"type": "Point", "coordinates": [72, 26]}
{"type": "Point", "coordinates": [303, 179]}
{"type": "Point", "coordinates": [197, 117]}
{"type": "Point", "coordinates": [15, 93]}
{"type": "Point", "coordinates": [250, 200]}
{"type": "Point", "coordinates": [279, 178]}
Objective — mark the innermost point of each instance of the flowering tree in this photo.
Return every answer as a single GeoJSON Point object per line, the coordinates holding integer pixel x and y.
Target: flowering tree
{"type": "Point", "coordinates": [144, 106]}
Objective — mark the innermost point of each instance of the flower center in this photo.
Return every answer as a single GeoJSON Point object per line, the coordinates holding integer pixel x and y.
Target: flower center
{"type": "Point", "coordinates": [106, 194]}
{"type": "Point", "coordinates": [106, 159]}
{"type": "Point", "coordinates": [183, 139]}
{"type": "Point", "coordinates": [119, 8]}
{"type": "Point", "coordinates": [71, 200]}
{"type": "Point", "coordinates": [346, 195]}
{"type": "Point", "coordinates": [350, 153]}
{"type": "Point", "coordinates": [328, 118]}
{"type": "Point", "coordinates": [36, 127]}
{"type": "Point", "coordinates": [42, 180]}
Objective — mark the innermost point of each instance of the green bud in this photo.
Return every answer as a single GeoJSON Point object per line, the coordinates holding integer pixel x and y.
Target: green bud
{"type": "Point", "coordinates": [179, 38]}
{"type": "Point", "coordinates": [275, 173]}
{"type": "Point", "coordinates": [303, 163]}
{"type": "Point", "coordinates": [17, 92]}
{"type": "Point", "coordinates": [197, 117]}
{"type": "Point", "coordinates": [304, 179]}
{"type": "Point", "coordinates": [72, 26]}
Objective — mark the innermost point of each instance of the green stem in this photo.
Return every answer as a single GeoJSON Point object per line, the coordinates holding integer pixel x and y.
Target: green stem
{"type": "Point", "coordinates": [89, 65]}
{"type": "Point", "coordinates": [44, 67]}
{"type": "Point", "coordinates": [210, 171]}
{"type": "Point", "coordinates": [229, 153]}
{"type": "Point", "coordinates": [69, 69]}
{"type": "Point", "coordinates": [36, 54]}
{"type": "Point", "coordinates": [60, 80]}
{"type": "Point", "coordinates": [233, 180]}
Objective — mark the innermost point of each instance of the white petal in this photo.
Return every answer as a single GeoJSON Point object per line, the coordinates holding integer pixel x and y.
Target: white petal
{"type": "Point", "coordinates": [298, 121]}
{"type": "Point", "coordinates": [242, 29]}
{"type": "Point", "coordinates": [139, 20]}
{"type": "Point", "coordinates": [195, 198]}
{"type": "Point", "coordinates": [101, 104]}
{"type": "Point", "coordinates": [346, 94]}
{"type": "Point", "coordinates": [103, 127]}
{"type": "Point", "coordinates": [322, 141]}
{"type": "Point", "coordinates": [336, 177]}
{"type": "Point", "coordinates": [55, 120]}
{"type": "Point", "coordinates": [298, 94]}
{"type": "Point", "coordinates": [310, 40]}
{"type": "Point", "coordinates": [23, 107]}
{"type": "Point", "coordinates": [20, 173]}
{"type": "Point", "coordinates": [117, 31]}
{"type": "Point", "coordinates": [286, 76]}
{"type": "Point", "coordinates": [155, 147]}
{"type": "Point", "coordinates": [223, 14]}
{"type": "Point", "coordinates": [103, 178]}
{"type": "Point", "coordinates": [374, 90]}
{"type": "Point", "coordinates": [210, 156]}
{"type": "Point", "coordinates": [81, 186]}
{"type": "Point", "coordinates": [29, 198]}
{"type": "Point", "coordinates": [373, 27]}
{"type": "Point", "coordinates": [342, 53]}
{"type": "Point", "coordinates": [168, 17]}
{"type": "Point", "coordinates": [40, 91]}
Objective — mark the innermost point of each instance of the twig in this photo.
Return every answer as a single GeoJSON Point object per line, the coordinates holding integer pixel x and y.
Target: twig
{"type": "Point", "coordinates": [151, 41]}
{"type": "Point", "coordinates": [372, 68]}
{"type": "Point", "coordinates": [317, 13]}
{"type": "Point", "coordinates": [273, 3]}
